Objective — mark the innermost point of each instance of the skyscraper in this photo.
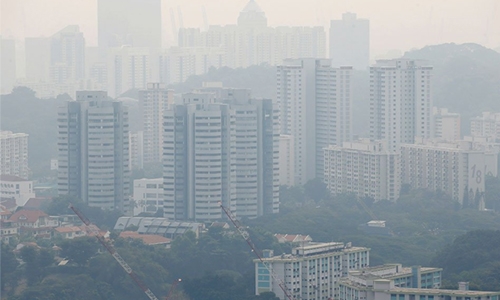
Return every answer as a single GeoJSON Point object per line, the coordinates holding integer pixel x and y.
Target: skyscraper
{"type": "Point", "coordinates": [315, 108]}
{"type": "Point", "coordinates": [67, 55]}
{"type": "Point", "coordinates": [154, 101]}
{"type": "Point", "coordinates": [350, 42]}
{"type": "Point", "coordinates": [136, 23]}
{"type": "Point", "coordinates": [221, 145]}
{"type": "Point", "coordinates": [197, 166]}
{"type": "Point", "coordinates": [400, 101]}
{"type": "Point", "coordinates": [93, 147]}
{"type": "Point", "coordinates": [37, 58]}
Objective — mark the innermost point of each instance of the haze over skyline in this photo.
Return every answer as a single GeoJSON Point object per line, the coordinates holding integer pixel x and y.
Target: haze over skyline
{"type": "Point", "coordinates": [394, 24]}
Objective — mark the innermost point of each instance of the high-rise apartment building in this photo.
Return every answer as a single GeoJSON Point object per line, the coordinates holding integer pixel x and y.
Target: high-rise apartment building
{"type": "Point", "coordinates": [446, 124]}
{"type": "Point", "coordinates": [136, 23]}
{"type": "Point", "coordinates": [154, 101]}
{"type": "Point", "coordinates": [311, 271]}
{"type": "Point", "coordinates": [220, 145]}
{"type": "Point", "coordinates": [197, 153]}
{"type": "Point", "coordinates": [315, 108]}
{"type": "Point", "coordinates": [486, 125]}
{"type": "Point", "coordinates": [67, 55]}
{"type": "Point", "coordinates": [350, 42]}
{"type": "Point", "coordinates": [14, 154]}
{"type": "Point", "coordinates": [93, 147]}
{"type": "Point", "coordinates": [364, 168]}
{"type": "Point", "coordinates": [457, 169]}
{"type": "Point", "coordinates": [400, 101]}
{"type": "Point", "coordinates": [256, 159]}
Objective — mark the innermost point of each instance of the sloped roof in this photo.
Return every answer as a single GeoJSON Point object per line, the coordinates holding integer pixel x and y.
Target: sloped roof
{"type": "Point", "coordinates": [8, 203]}
{"type": "Point", "coordinates": [29, 216]}
{"type": "Point", "coordinates": [36, 203]}
{"type": "Point", "coordinates": [7, 177]}
{"type": "Point", "coordinates": [292, 238]}
{"type": "Point", "coordinates": [68, 229]}
{"type": "Point", "coordinates": [148, 239]}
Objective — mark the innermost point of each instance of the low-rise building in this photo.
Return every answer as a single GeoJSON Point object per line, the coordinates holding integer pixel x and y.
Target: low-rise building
{"type": "Point", "coordinates": [386, 289]}
{"type": "Point", "coordinates": [12, 186]}
{"type": "Point", "coordinates": [148, 195]}
{"type": "Point", "coordinates": [311, 271]}
{"type": "Point", "coordinates": [70, 232]}
{"type": "Point", "coordinates": [158, 226]}
{"type": "Point", "coordinates": [33, 222]}
{"type": "Point", "coordinates": [147, 239]}
{"type": "Point", "coordinates": [364, 168]}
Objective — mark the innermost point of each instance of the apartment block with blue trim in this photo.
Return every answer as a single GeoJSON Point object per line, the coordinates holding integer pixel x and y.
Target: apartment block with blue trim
{"type": "Point", "coordinates": [312, 270]}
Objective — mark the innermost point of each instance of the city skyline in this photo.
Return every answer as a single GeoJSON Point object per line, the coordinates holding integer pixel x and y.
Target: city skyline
{"type": "Point", "coordinates": [425, 22]}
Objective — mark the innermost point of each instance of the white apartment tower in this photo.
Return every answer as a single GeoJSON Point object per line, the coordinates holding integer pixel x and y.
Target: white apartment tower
{"type": "Point", "coordinates": [197, 159]}
{"type": "Point", "coordinates": [220, 145]}
{"type": "Point", "coordinates": [154, 101]}
{"type": "Point", "coordinates": [315, 107]}
{"type": "Point", "coordinates": [350, 42]}
{"type": "Point", "coordinates": [93, 145]}
{"type": "Point", "coordinates": [364, 168]}
{"type": "Point", "coordinates": [446, 124]}
{"type": "Point", "coordinates": [14, 154]}
{"type": "Point", "coordinates": [136, 152]}
{"type": "Point", "coordinates": [312, 271]}
{"type": "Point", "coordinates": [400, 101]}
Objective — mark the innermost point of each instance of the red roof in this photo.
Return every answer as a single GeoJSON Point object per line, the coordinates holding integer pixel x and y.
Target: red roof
{"type": "Point", "coordinates": [7, 177]}
{"type": "Point", "coordinates": [36, 203]}
{"type": "Point", "coordinates": [29, 216]}
{"type": "Point", "coordinates": [148, 239]}
{"type": "Point", "coordinates": [68, 229]}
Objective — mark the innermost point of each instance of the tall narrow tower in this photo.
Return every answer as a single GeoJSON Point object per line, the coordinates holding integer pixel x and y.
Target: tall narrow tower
{"type": "Point", "coordinates": [93, 147]}
{"type": "Point", "coordinates": [400, 101]}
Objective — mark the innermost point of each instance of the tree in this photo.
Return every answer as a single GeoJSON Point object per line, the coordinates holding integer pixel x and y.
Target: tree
{"type": "Point", "coordinates": [79, 250]}
{"type": "Point", "coordinates": [8, 263]}
{"type": "Point", "coordinates": [316, 190]}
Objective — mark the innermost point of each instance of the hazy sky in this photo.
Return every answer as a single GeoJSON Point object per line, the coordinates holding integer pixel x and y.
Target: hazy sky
{"type": "Point", "coordinates": [395, 24]}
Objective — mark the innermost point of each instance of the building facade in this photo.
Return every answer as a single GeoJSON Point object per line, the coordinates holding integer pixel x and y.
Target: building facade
{"type": "Point", "coordinates": [136, 151]}
{"type": "Point", "coordinates": [15, 187]}
{"type": "Point", "coordinates": [315, 108]}
{"type": "Point", "coordinates": [364, 168]}
{"type": "Point", "coordinates": [154, 101]}
{"type": "Point", "coordinates": [148, 195]}
{"type": "Point", "coordinates": [287, 160]}
{"type": "Point", "coordinates": [14, 154]}
{"type": "Point", "coordinates": [93, 145]}
{"type": "Point", "coordinates": [312, 270]}
{"type": "Point", "coordinates": [67, 55]}
{"type": "Point", "coordinates": [446, 124]}
{"type": "Point", "coordinates": [350, 42]}
{"type": "Point", "coordinates": [400, 101]}
{"type": "Point", "coordinates": [486, 125]}
{"type": "Point", "coordinates": [456, 169]}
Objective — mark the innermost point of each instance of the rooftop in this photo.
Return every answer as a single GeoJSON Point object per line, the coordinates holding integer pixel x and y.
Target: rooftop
{"type": "Point", "coordinates": [7, 177]}
{"type": "Point", "coordinates": [148, 239]}
{"type": "Point", "coordinates": [27, 216]}
{"type": "Point", "coordinates": [252, 6]}
{"type": "Point", "coordinates": [444, 292]}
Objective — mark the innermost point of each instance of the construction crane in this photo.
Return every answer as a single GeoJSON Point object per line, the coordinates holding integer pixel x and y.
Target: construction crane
{"type": "Point", "coordinates": [172, 289]}
{"type": "Point", "coordinates": [246, 236]}
{"type": "Point", "coordinates": [95, 230]}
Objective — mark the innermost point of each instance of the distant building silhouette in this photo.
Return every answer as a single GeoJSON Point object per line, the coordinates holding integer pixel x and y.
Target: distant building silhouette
{"type": "Point", "coordinates": [350, 42]}
{"type": "Point", "coordinates": [93, 146]}
{"type": "Point", "coordinates": [136, 23]}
